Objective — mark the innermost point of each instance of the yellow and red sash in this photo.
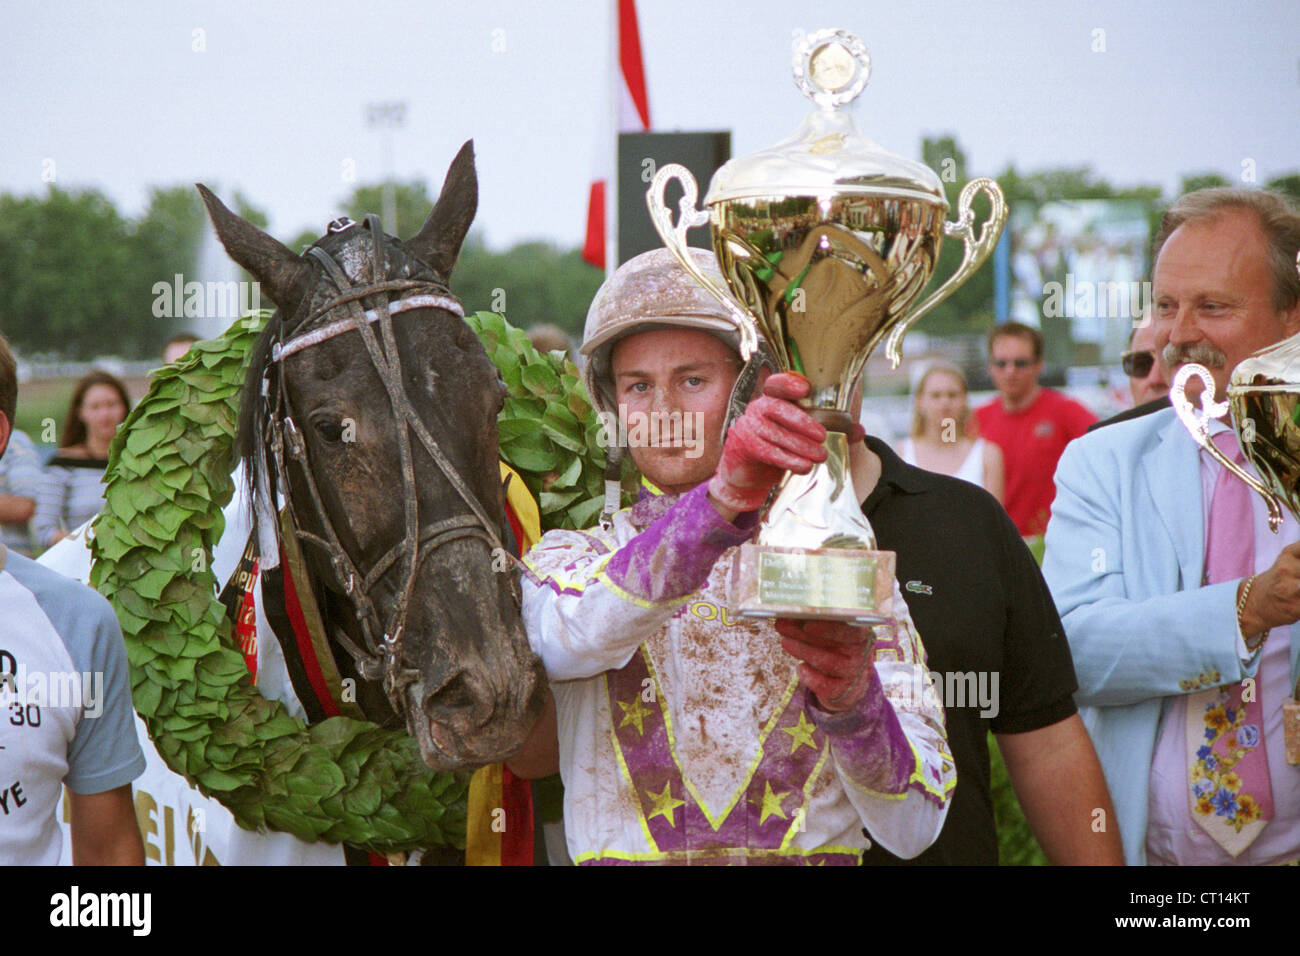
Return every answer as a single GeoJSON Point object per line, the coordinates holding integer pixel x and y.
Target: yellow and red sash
{"type": "Point", "coordinates": [499, 820]}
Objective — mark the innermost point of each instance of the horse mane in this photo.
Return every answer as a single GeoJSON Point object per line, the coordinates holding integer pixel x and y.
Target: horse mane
{"type": "Point", "coordinates": [251, 439]}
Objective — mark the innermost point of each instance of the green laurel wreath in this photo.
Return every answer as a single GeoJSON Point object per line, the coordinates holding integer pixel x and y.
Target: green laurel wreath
{"type": "Point", "coordinates": [168, 478]}
{"type": "Point", "coordinates": [548, 429]}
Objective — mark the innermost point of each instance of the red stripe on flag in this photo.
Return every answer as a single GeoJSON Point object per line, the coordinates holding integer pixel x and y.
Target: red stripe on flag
{"type": "Point", "coordinates": [629, 59]}
{"type": "Point", "coordinates": [593, 250]}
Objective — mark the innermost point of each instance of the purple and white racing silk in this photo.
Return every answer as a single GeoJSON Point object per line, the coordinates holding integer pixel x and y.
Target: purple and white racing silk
{"type": "Point", "coordinates": [685, 735]}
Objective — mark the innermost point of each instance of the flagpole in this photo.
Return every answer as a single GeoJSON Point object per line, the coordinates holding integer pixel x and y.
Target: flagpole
{"type": "Point", "coordinates": [614, 77]}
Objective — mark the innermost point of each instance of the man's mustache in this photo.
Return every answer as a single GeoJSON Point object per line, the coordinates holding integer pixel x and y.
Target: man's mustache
{"type": "Point", "coordinates": [1202, 353]}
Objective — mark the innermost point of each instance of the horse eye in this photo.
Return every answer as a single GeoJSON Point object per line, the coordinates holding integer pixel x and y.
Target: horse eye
{"type": "Point", "coordinates": [329, 430]}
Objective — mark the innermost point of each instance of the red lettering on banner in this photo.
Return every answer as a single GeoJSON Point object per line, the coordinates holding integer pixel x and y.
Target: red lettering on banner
{"type": "Point", "coordinates": [246, 625]}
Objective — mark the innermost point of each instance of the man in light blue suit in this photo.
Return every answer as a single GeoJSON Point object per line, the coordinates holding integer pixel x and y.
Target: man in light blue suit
{"type": "Point", "coordinates": [1126, 549]}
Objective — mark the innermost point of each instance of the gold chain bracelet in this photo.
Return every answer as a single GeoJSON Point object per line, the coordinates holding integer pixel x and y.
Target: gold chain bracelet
{"type": "Point", "coordinates": [1254, 640]}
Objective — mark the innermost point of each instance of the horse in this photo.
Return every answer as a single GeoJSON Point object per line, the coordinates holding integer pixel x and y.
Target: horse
{"type": "Point", "coordinates": [371, 407]}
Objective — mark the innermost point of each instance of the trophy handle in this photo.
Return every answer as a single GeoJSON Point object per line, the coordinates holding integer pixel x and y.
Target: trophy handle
{"type": "Point", "coordinates": [1199, 426]}
{"type": "Point", "coordinates": [974, 252]}
{"type": "Point", "coordinates": [674, 238]}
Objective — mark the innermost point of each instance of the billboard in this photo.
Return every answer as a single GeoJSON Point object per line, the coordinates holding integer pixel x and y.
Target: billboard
{"type": "Point", "coordinates": [1078, 271]}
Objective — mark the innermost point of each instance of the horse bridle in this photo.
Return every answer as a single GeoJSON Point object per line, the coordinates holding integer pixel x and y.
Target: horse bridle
{"type": "Point", "coordinates": [381, 658]}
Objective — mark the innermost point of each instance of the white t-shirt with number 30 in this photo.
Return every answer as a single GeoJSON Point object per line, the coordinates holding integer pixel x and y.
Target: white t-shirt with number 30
{"type": "Point", "coordinates": [65, 705]}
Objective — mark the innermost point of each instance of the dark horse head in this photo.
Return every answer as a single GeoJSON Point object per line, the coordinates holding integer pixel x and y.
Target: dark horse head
{"type": "Point", "coordinates": [373, 407]}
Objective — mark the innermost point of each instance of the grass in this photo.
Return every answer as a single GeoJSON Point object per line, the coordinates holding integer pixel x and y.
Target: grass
{"type": "Point", "coordinates": [1016, 843]}
{"type": "Point", "coordinates": [42, 402]}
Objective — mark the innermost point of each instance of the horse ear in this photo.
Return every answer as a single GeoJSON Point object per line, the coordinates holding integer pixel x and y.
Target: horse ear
{"type": "Point", "coordinates": [439, 239]}
{"type": "Point", "coordinates": [282, 273]}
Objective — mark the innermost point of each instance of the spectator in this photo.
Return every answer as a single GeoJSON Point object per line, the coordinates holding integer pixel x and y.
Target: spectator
{"type": "Point", "coordinates": [177, 346]}
{"type": "Point", "coordinates": [997, 651]}
{"type": "Point", "coordinates": [61, 640]}
{"type": "Point", "coordinates": [1148, 377]}
{"type": "Point", "coordinates": [72, 488]}
{"type": "Point", "coordinates": [549, 338]}
{"type": "Point", "coordinates": [940, 441]}
{"type": "Point", "coordinates": [20, 481]}
{"type": "Point", "coordinates": [1179, 602]}
{"type": "Point", "coordinates": [1031, 424]}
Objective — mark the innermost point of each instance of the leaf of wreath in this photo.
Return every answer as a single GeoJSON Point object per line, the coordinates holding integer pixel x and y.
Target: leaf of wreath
{"type": "Point", "coordinates": [168, 478]}
{"type": "Point", "coordinates": [548, 429]}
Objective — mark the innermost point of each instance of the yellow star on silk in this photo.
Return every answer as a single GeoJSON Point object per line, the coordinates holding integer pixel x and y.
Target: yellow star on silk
{"type": "Point", "coordinates": [664, 804]}
{"type": "Point", "coordinates": [801, 733]}
{"type": "Point", "coordinates": [634, 714]}
{"type": "Point", "coordinates": [771, 803]}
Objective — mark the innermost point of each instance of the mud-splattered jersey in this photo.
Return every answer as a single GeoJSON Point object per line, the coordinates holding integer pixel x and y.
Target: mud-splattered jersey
{"type": "Point", "coordinates": [685, 734]}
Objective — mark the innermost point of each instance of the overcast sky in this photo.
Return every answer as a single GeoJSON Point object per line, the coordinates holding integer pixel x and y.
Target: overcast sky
{"type": "Point", "coordinates": [268, 98]}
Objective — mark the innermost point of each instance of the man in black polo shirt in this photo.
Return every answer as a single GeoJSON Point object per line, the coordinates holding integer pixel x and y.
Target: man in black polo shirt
{"type": "Point", "coordinates": [991, 632]}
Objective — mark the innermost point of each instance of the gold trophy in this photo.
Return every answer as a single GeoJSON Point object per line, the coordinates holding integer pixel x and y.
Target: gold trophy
{"type": "Point", "coordinates": [1264, 401]}
{"type": "Point", "coordinates": [825, 241]}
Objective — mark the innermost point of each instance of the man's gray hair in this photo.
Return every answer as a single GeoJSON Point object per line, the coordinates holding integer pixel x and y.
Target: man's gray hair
{"type": "Point", "coordinates": [1279, 221]}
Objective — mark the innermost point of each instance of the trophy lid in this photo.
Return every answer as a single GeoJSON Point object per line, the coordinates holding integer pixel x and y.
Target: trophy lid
{"type": "Point", "coordinates": [827, 155]}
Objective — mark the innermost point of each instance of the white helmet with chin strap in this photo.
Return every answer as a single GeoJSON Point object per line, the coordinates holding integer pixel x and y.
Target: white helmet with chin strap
{"type": "Point", "coordinates": [648, 292]}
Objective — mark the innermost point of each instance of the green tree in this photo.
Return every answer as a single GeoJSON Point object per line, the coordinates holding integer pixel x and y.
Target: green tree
{"type": "Point", "coordinates": [970, 308]}
{"type": "Point", "coordinates": [254, 214]}
{"type": "Point", "coordinates": [63, 261]}
{"type": "Point", "coordinates": [1289, 185]}
{"type": "Point", "coordinates": [303, 240]}
{"type": "Point", "coordinates": [1191, 183]}
{"type": "Point", "coordinates": [165, 244]}
{"type": "Point", "coordinates": [410, 200]}
{"type": "Point", "coordinates": [531, 283]}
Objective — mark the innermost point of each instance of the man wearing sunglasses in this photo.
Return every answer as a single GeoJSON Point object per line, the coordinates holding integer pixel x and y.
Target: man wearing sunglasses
{"type": "Point", "coordinates": [1179, 603]}
{"type": "Point", "coordinates": [1147, 377]}
{"type": "Point", "coordinates": [1031, 424]}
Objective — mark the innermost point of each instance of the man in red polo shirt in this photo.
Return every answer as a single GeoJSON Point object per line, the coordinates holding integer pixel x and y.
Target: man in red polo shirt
{"type": "Point", "coordinates": [1031, 424]}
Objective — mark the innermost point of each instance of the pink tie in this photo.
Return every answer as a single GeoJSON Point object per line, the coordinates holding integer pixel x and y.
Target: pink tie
{"type": "Point", "coordinates": [1230, 794]}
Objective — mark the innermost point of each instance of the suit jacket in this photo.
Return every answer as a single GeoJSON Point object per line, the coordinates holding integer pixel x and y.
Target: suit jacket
{"type": "Point", "coordinates": [1137, 411]}
{"type": "Point", "coordinates": [1125, 556]}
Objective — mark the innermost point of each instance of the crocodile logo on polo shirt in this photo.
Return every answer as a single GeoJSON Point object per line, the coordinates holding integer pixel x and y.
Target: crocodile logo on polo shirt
{"type": "Point", "coordinates": [916, 587]}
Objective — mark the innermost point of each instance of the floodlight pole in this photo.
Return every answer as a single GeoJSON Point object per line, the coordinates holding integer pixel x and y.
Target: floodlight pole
{"type": "Point", "coordinates": [387, 116]}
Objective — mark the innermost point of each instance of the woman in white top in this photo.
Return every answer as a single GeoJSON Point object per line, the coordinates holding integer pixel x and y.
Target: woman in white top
{"type": "Point", "coordinates": [940, 439]}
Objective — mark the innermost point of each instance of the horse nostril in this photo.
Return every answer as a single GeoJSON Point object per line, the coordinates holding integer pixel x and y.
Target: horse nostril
{"type": "Point", "coordinates": [460, 694]}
